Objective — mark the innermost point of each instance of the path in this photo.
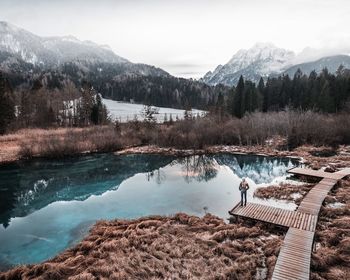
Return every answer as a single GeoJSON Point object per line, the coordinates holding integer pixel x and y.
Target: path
{"type": "Point", "coordinates": [294, 259]}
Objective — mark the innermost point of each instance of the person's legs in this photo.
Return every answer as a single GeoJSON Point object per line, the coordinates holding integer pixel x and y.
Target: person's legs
{"type": "Point", "coordinates": [241, 198]}
{"type": "Point", "coordinates": [245, 198]}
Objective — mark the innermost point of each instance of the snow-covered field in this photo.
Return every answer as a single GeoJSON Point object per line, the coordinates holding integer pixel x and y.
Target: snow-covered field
{"type": "Point", "coordinates": [123, 111]}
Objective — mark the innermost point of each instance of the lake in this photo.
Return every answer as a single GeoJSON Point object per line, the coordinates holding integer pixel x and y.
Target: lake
{"type": "Point", "coordinates": [124, 111]}
{"type": "Point", "coordinates": [48, 205]}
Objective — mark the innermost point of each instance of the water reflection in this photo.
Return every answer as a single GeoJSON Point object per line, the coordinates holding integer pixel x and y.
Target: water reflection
{"type": "Point", "coordinates": [28, 186]}
{"type": "Point", "coordinates": [46, 206]}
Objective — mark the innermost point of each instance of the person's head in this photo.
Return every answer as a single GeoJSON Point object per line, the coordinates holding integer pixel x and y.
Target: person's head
{"type": "Point", "coordinates": [243, 180]}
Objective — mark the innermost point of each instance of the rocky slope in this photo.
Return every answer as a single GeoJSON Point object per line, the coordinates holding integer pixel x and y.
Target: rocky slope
{"type": "Point", "coordinates": [261, 60]}
{"type": "Point", "coordinates": [266, 60]}
{"type": "Point", "coordinates": [51, 51]}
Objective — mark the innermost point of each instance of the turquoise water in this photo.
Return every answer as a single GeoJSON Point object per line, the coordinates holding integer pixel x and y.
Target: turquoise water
{"type": "Point", "coordinates": [47, 206]}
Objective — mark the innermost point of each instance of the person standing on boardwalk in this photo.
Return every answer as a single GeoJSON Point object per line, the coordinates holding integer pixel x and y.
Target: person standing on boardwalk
{"type": "Point", "coordinates": [243, 187]}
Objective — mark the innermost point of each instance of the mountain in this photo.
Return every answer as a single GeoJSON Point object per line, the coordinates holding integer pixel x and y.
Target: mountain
{"type": "Point", "coordinates": [332, 63]}
{"type": "Point", "coordinates": [261, 60]}
{"type": "Point", "coordinates": [51, 51]}
{"type": "Point", "coordinates": [22, 52]}
{"type": "Point", "coordinates": [64, 64]}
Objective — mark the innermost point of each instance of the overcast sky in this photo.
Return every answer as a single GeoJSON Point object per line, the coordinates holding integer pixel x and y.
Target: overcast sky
{"type": "Point", "coordinates": [186, 37]}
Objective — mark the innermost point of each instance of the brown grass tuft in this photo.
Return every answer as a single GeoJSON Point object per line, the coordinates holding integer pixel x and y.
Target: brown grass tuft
{"type": "Point", "coordinates": [283, 191]}
{"type": "Point", "coordinates": [179, 247]}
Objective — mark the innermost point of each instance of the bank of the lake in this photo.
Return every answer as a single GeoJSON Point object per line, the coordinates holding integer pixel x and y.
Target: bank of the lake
{"type": "Point", "coordinates": [178, 245]}
{"type": "Point", "coordinates": [48, 204]}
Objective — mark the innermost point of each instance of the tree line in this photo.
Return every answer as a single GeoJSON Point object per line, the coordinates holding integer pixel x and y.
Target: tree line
{"type": "Point", "coordinates": [324, 92]}
{"type": "Point", "coordinates": [53, 99]}
{"type": "Point", "coordinates": [43, 108]}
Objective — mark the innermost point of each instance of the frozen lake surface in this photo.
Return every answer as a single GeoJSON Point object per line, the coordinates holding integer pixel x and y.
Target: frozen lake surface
{"type": "Point", "coordinates": [123, 111]}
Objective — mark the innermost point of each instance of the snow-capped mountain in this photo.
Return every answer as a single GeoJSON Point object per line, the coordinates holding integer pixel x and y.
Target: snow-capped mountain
{"type": "Point", "coordinates": [51, 51]}
{"type": "Point", "coordinates": [332, 64]}
{"type": "Point", "coordinates": [261, 60]}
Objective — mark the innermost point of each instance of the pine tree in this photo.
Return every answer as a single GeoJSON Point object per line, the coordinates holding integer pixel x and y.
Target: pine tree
{"type": "Point", "coordinates": [7, 108]}
{"type": "Point", "coordinates": [99, 113]}
{"type": "Point", "coordinates": [87, 104]}
{"type": "Point", "coordinates": [238, 100]}
{"type": "Point", "coordinates": [148, 112]}
{"type": "Point", "coordinates": [219, 108]}
{"type": "Point", "coordinates": [260, 94]}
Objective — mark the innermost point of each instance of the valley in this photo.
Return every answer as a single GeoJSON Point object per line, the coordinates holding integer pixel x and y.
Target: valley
{"type": "Point", "coordinates": [158, 140]}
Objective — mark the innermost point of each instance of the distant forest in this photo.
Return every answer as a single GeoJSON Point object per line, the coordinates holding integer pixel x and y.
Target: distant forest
{"type": "Point", "coordinates": [69, 97]}
{"type": "Point", "coordinates": [325, 92]}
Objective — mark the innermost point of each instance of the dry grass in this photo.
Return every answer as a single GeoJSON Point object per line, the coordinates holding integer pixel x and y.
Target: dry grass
{"type": "Point", "coordinates": [68, 142]}
{"type": "Point", "coordinates": [292, 129]}
{"type": "Point", "coordinates": [181, 247]}
{"type": "Point", "coordinates": [284, 191]}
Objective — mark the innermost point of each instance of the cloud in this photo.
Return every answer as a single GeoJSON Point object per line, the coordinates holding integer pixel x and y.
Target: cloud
{"type": "Point", "coordinates": [187, 36]}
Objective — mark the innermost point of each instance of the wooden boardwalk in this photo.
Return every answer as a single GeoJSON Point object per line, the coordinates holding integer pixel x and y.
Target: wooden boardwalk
{"type": "Point", "coordinates": [294, 259]}
{"type": "Point", "coordinates": [319, 173]}
{"type": "Point", "coordinates": [311, 204]}
{"type": "Point", "coordinates": [277, 216]}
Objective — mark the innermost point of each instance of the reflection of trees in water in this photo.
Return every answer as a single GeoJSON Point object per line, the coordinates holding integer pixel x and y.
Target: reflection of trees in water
{"type": "Point", "coordinates": [33, 185]}
{"type": "Point", "coordinates": [260, 169]}
{"type": "Point", "coordinates": [158, 175]}
{"type": "Point", "coordinates": [9, 181]}
{"type": "Point", "coordinates": [199, 168]}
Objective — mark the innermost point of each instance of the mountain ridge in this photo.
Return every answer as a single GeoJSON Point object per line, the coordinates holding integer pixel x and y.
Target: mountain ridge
{"type": "Point", "coordinates": [51, 51]}
{"type": "Point", "coordinates": [265, 60]}
{"type": "Point", "coordinates": [253, 63]}
{"type": "Point", "coordinates": [332, 64]}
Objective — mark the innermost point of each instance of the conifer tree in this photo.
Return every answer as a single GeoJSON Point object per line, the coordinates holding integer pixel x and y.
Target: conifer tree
{"type": "Point", "coordinates": [99, 111]}
{"type": "Point", "coordinates": [238, 100]}
{"type": "Point", "coordinates": [87, 104]}
{"type": "Point", "coordinates": [7, 109]}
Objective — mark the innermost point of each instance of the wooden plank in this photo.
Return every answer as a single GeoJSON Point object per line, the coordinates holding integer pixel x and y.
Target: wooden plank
{"type": "Point", "coordinates": [284, 268]}
{"type": "Point", "coordinates": [264, 214]}
{"type": "Point", "coordinates": [269, 215]}
{"type": "Point", "coordinates": [289, 217]}
{"type": "Point", "coordinates": [292, 271]}
{"type": "Point", "coordinates": [285, 217]}
{"type": "Point", "coordinates": [294, 258]}
{"type": "Point", "coordinates": [274, 215]}
{"type": "Point", "coordinates": [296, 266]}
{"type": "Point", "coordinates": [280, 217]}
{"type": "Point", "coordinates": [288, 274]}
{"type": "Point", "coordinates": [306, 220]}
{"type": "Point", "coordinates": [298, 218]}
{"type": "Point", "coordinates": [247, 210]}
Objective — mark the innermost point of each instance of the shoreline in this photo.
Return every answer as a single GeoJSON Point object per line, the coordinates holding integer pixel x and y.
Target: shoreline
{"type": "Point", "coordinates": [70, 142]}
{"type": "Point", "coordinates": [158, 246]}
{"type": "Point", "coordinates": [108, 248]}
{"type": "Point", "coordinates": [302, 153]}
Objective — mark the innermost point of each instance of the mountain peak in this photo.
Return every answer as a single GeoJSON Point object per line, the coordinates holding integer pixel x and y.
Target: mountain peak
{"type": "Point", "coordinates": [261, 51]}
{"type": "Point", "coordinates": [264, 45]}
{"type": "Point", "coordinates": [260, 60]}
{"type": "Point", "coordinates": [51, 51]}
{"type": "Point", "coordinates": [8, 27]}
